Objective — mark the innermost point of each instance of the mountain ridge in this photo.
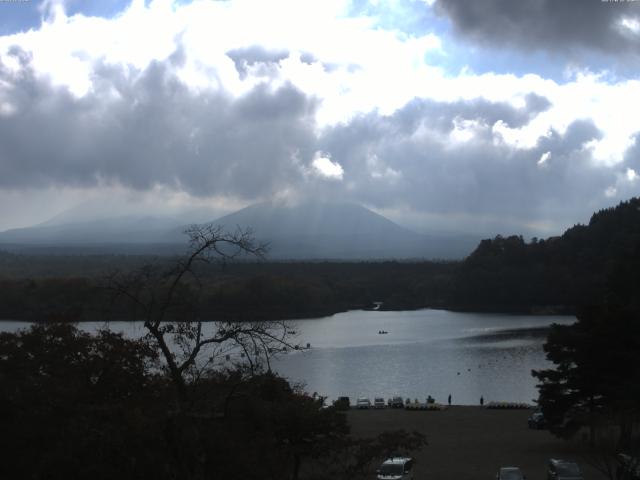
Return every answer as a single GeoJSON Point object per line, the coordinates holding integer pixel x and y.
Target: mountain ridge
{"type": "Point", "coordinates": [333, 230]}
{"type": "Point", "coordinates": [306, 230]}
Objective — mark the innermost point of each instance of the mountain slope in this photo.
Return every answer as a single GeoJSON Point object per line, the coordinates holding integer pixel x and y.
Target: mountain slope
{"type": "Point", "coordinates": [581, 267]}
{"type": "Point", "coordinates": [308, 230]}
{"type": "Point", "coordinates": [125, 229]}
{"type": "Point", "coordinates": [338, 230]}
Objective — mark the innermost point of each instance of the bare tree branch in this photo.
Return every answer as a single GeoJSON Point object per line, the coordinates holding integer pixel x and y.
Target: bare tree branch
{"type": "Point", "coordinates": [168, 304]}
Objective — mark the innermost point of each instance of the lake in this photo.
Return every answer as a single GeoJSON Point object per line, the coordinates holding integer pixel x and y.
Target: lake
{"type": "Point", "coordinates": [425, 352]}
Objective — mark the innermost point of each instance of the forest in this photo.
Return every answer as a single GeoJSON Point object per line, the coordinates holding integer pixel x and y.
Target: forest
{"type": "Point", "coordinates": [81, 405]}
{"type": "Point", "coordinates": [504, 274]}
{"type": "Point", "coordinates": [77, 405]}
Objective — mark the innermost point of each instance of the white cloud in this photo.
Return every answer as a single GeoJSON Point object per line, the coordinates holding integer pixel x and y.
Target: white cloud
{"type": "Point", "coordinates": [355, 62]}
{"type": "Point", "coordinates": [544, 158]}
{"type": "Point", "coordinates": [630, 25]}
{"type": "Point", "coordinates": [327, 168]}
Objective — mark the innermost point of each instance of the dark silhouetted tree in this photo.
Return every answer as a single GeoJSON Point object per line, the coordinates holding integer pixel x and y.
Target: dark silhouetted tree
{"type": "Point", "coordinates": [168, 302]}
{"type": "Point", "coordinates": [74, 405]}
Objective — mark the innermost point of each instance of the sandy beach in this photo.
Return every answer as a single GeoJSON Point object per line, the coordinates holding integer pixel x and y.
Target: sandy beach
{"type": "Point", "coordinates": [467, 442]}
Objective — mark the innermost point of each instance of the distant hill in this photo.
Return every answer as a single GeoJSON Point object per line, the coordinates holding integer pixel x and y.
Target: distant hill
{"type": "Point", "coordinates": [588, 265]}
{"type": "Point", "coordinates": [581, 267]}
{"type": "Point", "coordinates": [125, 229]}
{"type": "Point", "coordinates": [309, 230]}
{"type": "Point", "coordinates": [323, 230]}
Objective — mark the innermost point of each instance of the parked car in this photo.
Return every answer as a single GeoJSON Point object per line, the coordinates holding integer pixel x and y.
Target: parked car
{"type": "Point", "coordinates": [397, 402]}
{"type": "Point", "coordinates": [537, 421]}
{"type": "Point", "coordinates": [378, 402]}
{"type": "Point", "coordinates": [563, 470]}
{"type": "Point", "coordinates": [342, 403]}
{"type": "Point", "coordinates": [628, 467]}
{"type": "Point", "coordinates": [510, 473]}
{"type": "Point", "coordinates": [396, 468]}
{"type": "Point", "coordinates": [363, 402]}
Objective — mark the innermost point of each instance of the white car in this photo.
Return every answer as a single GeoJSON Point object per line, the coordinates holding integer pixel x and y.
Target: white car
{"type": "Point", "coordinates": [396, 468]}
{"type": "Point", "coordinates": [379, 402]}
{"type": "Point", "coordinates": [363, 402]}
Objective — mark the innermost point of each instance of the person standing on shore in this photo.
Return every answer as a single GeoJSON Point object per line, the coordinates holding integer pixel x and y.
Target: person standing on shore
{"type": "Point", "coordinates": [481, 401]}
{"type": "Point", "coordinates": [449, 399]}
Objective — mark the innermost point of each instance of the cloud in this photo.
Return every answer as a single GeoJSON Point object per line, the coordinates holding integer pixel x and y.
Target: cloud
{"type": "Point", "coordinates": [327, 168]}
{"type": "Point", "coordinates": [556, 26]}
{"type": "Point", "coordinates": [481, 177]}
{"type": "Point", "coordinates": [147, 130]}
{"type": "Point", "coordinates": [632, 155]}
{"type": "Point", "coordinates": [257, 58]}
{"type": "Point", "coordinates": [151, 130]}
{"type": "Point", "coordinates": [218, 102]}
{"type": "Point", "coordinates": [544, 158]}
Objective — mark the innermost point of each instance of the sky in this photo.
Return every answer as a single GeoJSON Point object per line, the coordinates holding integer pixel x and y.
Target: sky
{"type": "Point", "coordinates": [491, 116]}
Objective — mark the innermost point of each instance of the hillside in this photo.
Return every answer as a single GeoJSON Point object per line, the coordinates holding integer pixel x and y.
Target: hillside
{"type": "Point", "coordinates": [308, 230]}
{"type": "Point", "coordinates": [323, 230]}
{"type": "Point", "coordinates": [557, 274]}
{"type": "Point", "coordinates": [504, 274]}
{"type": "Point", "coordinates": [130, 229]}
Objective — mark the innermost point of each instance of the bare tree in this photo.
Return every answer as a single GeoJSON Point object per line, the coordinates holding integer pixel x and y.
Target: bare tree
{"type": "Point", "coordinates": [166, 300]}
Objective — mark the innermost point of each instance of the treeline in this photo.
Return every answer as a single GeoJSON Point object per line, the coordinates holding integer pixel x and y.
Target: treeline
{"type": "Point", "coordinates": [593, 389]}
{"type": "Point", "coordinates": [504, 274]}
{"type": "Point", "coordinates": [559, 274]}
{"type": "Point", "coordinates": [238, 291]}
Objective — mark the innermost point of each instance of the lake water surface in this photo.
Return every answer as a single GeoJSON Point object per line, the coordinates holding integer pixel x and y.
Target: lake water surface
{"type": "Point", "coordinates": [425, 352]}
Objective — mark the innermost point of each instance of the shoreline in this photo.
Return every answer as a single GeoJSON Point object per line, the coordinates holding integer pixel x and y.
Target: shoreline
{"type": "Point", "coordinates": [328, 313]}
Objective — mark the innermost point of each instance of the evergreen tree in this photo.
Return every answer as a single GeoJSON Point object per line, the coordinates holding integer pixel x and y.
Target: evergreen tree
{"type": "Point", "coordinates": [596, 379]}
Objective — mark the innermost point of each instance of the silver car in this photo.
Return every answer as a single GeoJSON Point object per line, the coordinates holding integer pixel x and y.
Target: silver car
{"type": "Point", "coordinates": [563, 470]}
{"type": "Point", "coordinates": [510, 473]}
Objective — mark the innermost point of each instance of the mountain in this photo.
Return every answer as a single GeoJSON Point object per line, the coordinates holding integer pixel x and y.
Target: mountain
{"type": "Point", "coordinates": [125, 229]}
{"type": "Point", "coordinates": [324, 230]}
{"type": "Point", "coordinates": [308, 230]}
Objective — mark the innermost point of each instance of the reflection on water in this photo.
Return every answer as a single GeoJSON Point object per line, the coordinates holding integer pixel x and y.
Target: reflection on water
{"type": "Point", "coordinates": [426, 352]}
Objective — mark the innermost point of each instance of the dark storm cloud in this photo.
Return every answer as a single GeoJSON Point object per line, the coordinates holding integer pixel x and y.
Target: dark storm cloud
{"type": "Point", "coordinates": [476, 177]}
{"type": "Point", "coordinates": [436, 117]}
{"type": "Point", "coordinates": [151, 130]}
{"type": "Point", "coordinates": [552, 25]}
{"type": "Point", "coordinates": [578, 133]}
{"type": "Point", "coordinates": [147, 128]}
{"type": "Point", "coordinates": [441, 116]}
